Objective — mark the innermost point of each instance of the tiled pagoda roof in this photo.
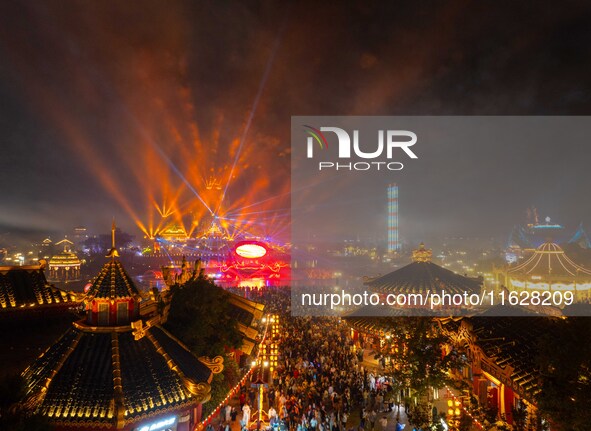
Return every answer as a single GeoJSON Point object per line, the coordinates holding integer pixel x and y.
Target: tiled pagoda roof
{"type": "Point", "coordinates": [421, 277]}
{"type": "Point", "coordinates": [26, 286]}
{"type": "Point", "coordinates": [114, 376]}
{"type": "Point", "coordinates": [511, 344]}
{"type": "Point", "coordinates": [105, 377]}
{"type": "Point", "coordinates": [112, 282]}
{"type": "Point", "coordinates": [64, 258]}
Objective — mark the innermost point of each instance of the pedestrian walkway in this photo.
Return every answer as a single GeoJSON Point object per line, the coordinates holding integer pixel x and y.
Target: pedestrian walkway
{"type": "Point", "coordinates": [353, 421]}
{"type": "Point", "coordinates": [395, 414]}
{"type": "Point", "coordinates": [324, 371]}
{"type": "Point", "coordinates": [236, 425]}
{"type": "Point", "coordinates": [372, 365]}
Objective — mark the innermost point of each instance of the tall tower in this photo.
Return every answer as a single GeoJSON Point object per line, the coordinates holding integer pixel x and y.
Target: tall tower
{"type": "Point", "coordinates": [393, 240]}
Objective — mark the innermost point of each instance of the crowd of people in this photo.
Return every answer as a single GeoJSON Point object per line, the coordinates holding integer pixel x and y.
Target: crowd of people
{"type": "Point", "coordinates": [321, 379]}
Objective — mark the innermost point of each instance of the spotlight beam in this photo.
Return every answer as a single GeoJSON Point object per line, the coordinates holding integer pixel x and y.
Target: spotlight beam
{"type": "Point", "coordinates": [258, 203]}
{"type": "Point", "coordinates": [180, 175]}
{"type": "Point", "coordinates": [255, 104]}
{"type": "Point", "coordinates": [236, 214]}
{"type": "Point", "coordinates": [291, 192]}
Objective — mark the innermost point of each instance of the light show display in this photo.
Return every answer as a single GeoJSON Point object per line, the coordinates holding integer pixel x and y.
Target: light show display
{"type": "Point", "coordinates": [250, 250]}
{"type": "Point", "coordinates": [393, 241]}
{"type": "Point", "coordinates": [252, 264]}
{"type": "Point", "coordinates": [527, 237]}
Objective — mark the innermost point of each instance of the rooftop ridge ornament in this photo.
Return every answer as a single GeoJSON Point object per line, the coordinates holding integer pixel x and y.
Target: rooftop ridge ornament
{"type": "Point", "coordinates": [139, 330]}
{"type": "Point", "coordinates": [216, 365]}
{"type": "Point", "coordinates": [422, 254]}
{"type": "Point", "coordinates": [113, 253]}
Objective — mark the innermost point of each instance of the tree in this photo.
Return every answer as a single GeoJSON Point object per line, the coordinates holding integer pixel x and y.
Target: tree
{"type": "Point", "coordinates": [536, 423]}
{"type": "Point", "coordinates": [201, 317]}
{"type": "Point", "coordinates": [219, 391]}
{"type": "Point", "coordinates": [222, 384]}
{"type": "Point", "coordinates": [419, 415]}
{"type": "Point", "coordinates": [418, 361]}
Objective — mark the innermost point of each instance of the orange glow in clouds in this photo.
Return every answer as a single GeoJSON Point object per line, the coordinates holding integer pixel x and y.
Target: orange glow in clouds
{"type": "Point", "coordinates": [128, 105]}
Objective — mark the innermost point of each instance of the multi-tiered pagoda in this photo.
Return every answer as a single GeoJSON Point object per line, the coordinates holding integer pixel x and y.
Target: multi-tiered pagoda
{"type": "Point", "coordinates": [114, 370]}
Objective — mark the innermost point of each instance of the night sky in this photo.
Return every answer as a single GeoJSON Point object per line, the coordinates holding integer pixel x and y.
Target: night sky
{"type": "Point", "coordinates": [105, 104]}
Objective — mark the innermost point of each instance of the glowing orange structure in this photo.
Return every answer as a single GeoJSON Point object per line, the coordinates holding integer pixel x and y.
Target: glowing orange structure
{"type": "Point", "coordinates": [64, 266]}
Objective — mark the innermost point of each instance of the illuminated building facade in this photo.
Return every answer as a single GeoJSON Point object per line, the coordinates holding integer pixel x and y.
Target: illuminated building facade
{"type": "Point", "coordinates": [393, 239]}
{"type": "Point", "coordinates": [548, 269]}
{"type": "Point", "coordinates": [65, 265]}
{"type": "Point", "coordinates": [501, 371]}
{"type": "Point", "coordinates": [502, 353]}
{"type": "Point", "coordinates": [248, 263]}
{"type": "Point", "coordinates": [115, 370]}
{"type": "Point", "coordinates": [174, 232]}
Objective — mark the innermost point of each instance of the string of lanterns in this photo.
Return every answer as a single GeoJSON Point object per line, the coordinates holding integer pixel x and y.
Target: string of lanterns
{"type": "Point", "coordinates": [201, 425]}
{"type": "Point", "coordinates": [458, 405]}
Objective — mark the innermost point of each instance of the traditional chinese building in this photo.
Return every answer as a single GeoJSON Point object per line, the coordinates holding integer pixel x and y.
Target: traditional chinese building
{"type": "Point", "coordinates": [422, 277]}
{"type": "Point", "coordinates": [548, 269]}
{"type": "Point", "coordinates": [502, 357]}
{"type": "Point", "coordinates": [248, 315]}
{"type": "Point", "coordinates": [24, 291]}
{"type": "Point", "coordinates": [501, 352]}
{"type": "Point", "coordinates": [65, 265]}
{"type": "Point", "coordinates": [113, 370]}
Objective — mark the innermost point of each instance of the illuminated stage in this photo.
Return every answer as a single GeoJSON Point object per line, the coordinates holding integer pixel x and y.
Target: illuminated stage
{"type": "Point", "coordinates": [253, 264]}
{"type": "Point", "coordinates": [231, 263]}
{"type": "Point", "coordinates": [223, 212]}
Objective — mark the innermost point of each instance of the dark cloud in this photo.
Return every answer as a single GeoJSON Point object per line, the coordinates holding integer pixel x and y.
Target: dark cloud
{"type": "Point", "coordinates": [88, 89]}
